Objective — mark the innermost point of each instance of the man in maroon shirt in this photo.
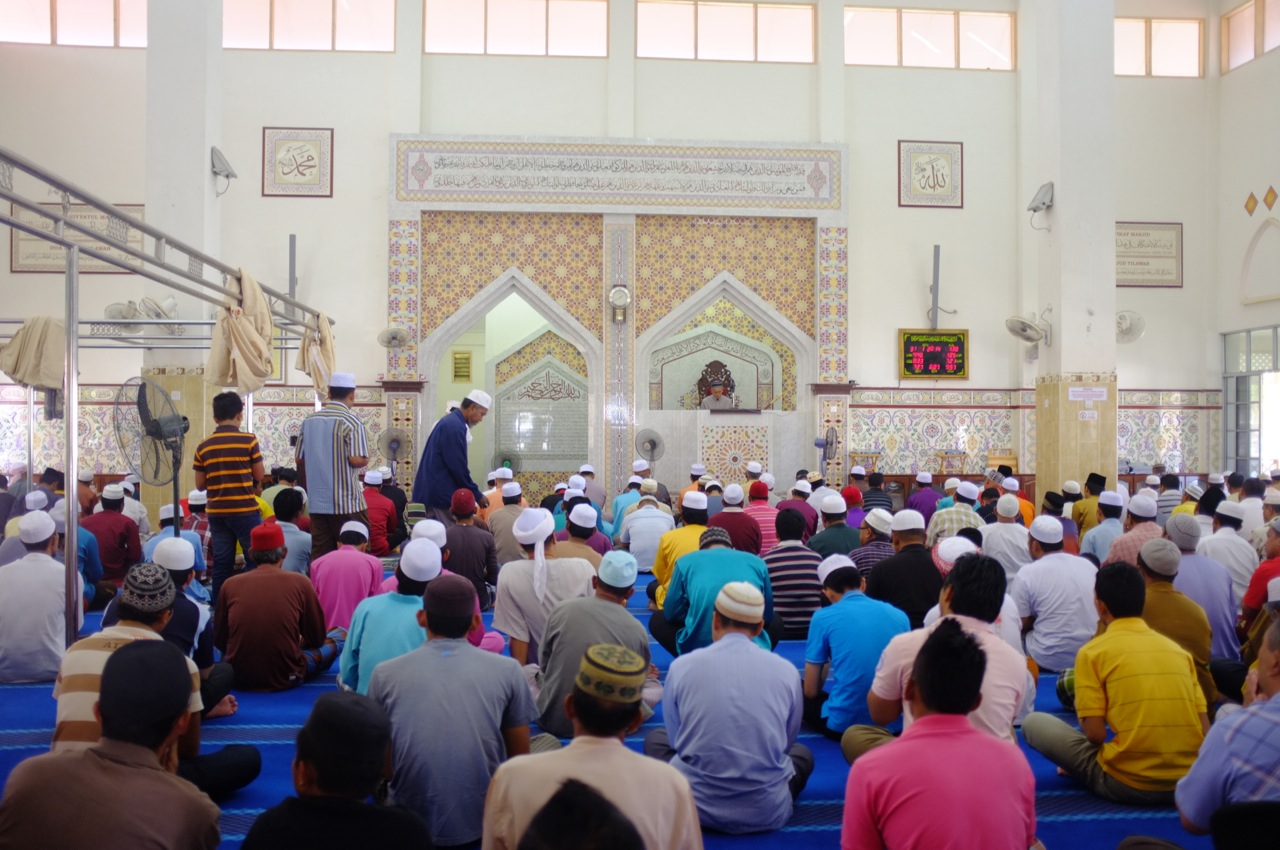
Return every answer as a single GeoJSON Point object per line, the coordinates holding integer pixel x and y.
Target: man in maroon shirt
{"type": "Point", "coordinates": [118, 544]}
{"type": "Point", "coordinates": [744, 529]}
{"type": "Point", "coordinates": [800, 491]}
{"type": "Point", "coordinates": [383, 537]}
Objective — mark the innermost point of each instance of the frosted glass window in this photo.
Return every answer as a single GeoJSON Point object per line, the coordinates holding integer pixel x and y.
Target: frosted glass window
{"type": "Point", "coordinates": [1240, 33]}
{"type": "Point", "coordinates": [870, 36]}
{"type": "Point", "coordinates": [1175, 48]}
{"type": "Point", "coordinates": [517, 27]}
{"type": "Point", "coordinates": [929, 39]}
{"type": "Point", "coordinates": [578, 28]}
{"type": "Point", "coordinates": [665, 30]}
{"type": "Point", "coordinates": [726, 31]}
{"type": "Point", "coordinates": [986, 41]}
{"type": "Point", "coordinates": [86, 22]}
{"type": "Point", "coordinates": [25, 21]}
{"type": "Point", "coordinates": [246, 23]}
{"type": "Point", "coordinates": [1261, 353]}
{"type": "Point", "coordinates": [303, 25]}
{"type": "Point", "coordinates": [1235, 360]}
{"type": "Point", "coordinates": [1271, 25]}
{"type": "Point", "coordinates": [784, 33]}
{"type": "Point", "coordinates": [1131, 47]}
{"type": "Point", "coordinates": [133, 23]}
{"type": "Point", "coordinates": [454, 26]}
{"type": "Point", "coordinates": [368, 25]}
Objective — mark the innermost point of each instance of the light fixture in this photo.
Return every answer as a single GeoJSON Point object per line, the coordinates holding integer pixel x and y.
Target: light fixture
{"type": "Point", "coordinates": [221, 168]}
{"type": "Point", "coordinates": [1042, 201]}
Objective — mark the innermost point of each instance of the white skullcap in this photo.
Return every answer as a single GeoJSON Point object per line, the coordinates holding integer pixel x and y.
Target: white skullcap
{"type": "Point", "coordinates": [648, 485]}
{"type": "Point", "coordinates": [635, 479]}
{"type": "Point", "coordinates": [802, 487]}
{"type": "Point", "coordinates": [174, 553]}
{"type": "Point", "coordinates": [561, 485]}
{"type": "Point", "coordinates": [694, 499]}
{"type": "Point", "coordinates": [35, 500]}
{"type": "Point", "coordinates": [127, 485]}
{"type": "Point", "coordinates": [503, 473]}
{"type": "Point", "coordinates": [1149, 493]}
{"type": "Point", "coordinates": [36, 527]}
{"type": "Point", "coordinates": [714, 483]}
{"type": "Point", "coordinates": [952, 549]}
{"type": "Point", "coordinates": [907, 520]}
{"type": "Point", "coordinates": [385, 472]}
{"type": "Point", "coordinates": [698, 469]}
{"type": "Point", "coordinates": [951, 484]}
{"type": "Point", "coordinates": [1234, 510]}
{"type": "Point", "coordinates": [860, 471]}
{"type": "Point", "coordinates": [113, 491]}
{"type": "Point", "coordinates": [1010, 484]}
{"type": "Point", "coordinates": [304, 494]}
{"type": "Point", "coordinates": [532, 528]}
{"type": "Point", "coordinates": [373, 479]}
{"type": "Point", "coordinates": [583, 515]}
{"type": "Point", "coordinates": [573, 493]}
{"type": "Point", "coordinates": [830, 564]}
{"type": "Point", "coordinates": [880, 519]}
{"type": "Point", "coordinates": [355, 525]}
{"type": "Point", "coordinates": [342, 381]}
{"type": "Point", "coordinates": [1047, 529]}
{"type": "Point", "coordinates": [511, 488]}
{"type": "Point", "coordinates": [1194, 490]}
{"type": "Point", "coordinates": [58, 513]}
{"type": "Point", "coordinates": [833, 503]}
{"type": "Point", "coordinates": [17, 467]}
{"type": "Point", "coordinates": [754, 467]}
{"type": "Point", "coordinates": [734, 495]}
{"type": "Point", "coordinates": [577, 482]}
{"type": "Point", "coordinates": [1143, 506]}
{"type": "Point", "coordinates": [429, 529]}
{"type": "Point", "coordinates": [1008, 505]}
{"type": "Point", "coordinates": [420, 560]}
{"type": "Point", "coordinates": [1111, 499]}
{"type": "Point", "coordinates": [1071, 488]}
{"type": "Point", "coordinates": [166, 511]}
{"type": "Point", "coordinates": [586, 468]}
{"type": "Point", "coordinates": [452, 404]}
{"type": "Point", "coordinates": [132, 478]}
{"type": "Point", "coordinates": [639, 465]}
{"type": "Point", "coordinates": [741, 601]}
{"type": "Point", "coordinates": [198, 497]}
{"type": "Point", "coordinates": [924, 477]}
{"type": "Point", "coordinates": [481, 398]}
{"type": "Point", "coordinates": [1217, 478]}
{"type": "Point", "coordinates": [968, 490]}
{"type": "Point", "coordinates": [768, 479]}
{"type": "Point", "coordinates": [1152, 481]}
{"type": "Point", "coordinates": [85, 476]}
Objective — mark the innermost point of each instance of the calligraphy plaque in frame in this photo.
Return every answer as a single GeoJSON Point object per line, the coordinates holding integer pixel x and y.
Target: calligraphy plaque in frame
{"type": "Point", "coordinates": [297, 162]}
{"type": "Point", "coordinates": [931, 174]}
{"type": "Point", "coordinates": [1149, 254]}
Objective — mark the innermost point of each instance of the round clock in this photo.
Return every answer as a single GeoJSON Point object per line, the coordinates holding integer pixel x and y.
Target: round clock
{"type": "Point", "coordinates": [619, 297]}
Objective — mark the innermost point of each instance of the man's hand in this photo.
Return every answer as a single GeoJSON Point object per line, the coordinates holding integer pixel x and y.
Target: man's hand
{"type": "Point", "coordinates": [482, 501]}
{"type": "Point", "coordinates": [1252, 693]}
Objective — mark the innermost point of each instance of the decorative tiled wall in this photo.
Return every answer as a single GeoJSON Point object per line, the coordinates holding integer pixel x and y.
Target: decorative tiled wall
{"type": "Point", "coordinates": [831, 411]}
{"type": "Point", "coordinates": [619, 342]}
{"type": "Point", "coordinates": [463, 252]}
{"type": "Point", "coordinates": [677, 255]}
{"type": "Point", "coordinates": [723, 313]}
{"type": "Point", "coordinates": [541, 417]}
{"type": "Point", "coordinates": [402, 297]}
{"type": "Point", "coordinates": [278, 412]}
{"type": "Point", "coordinates": [549, 344]}
{"type": "Point", "coordinates": [402, 413]}
{"type": "Point", "coordinates": [727, 449]}
{"type": "Point", "coordinates": [1179, 429]}
{"type": "Point", "coordinates": [833, 304]}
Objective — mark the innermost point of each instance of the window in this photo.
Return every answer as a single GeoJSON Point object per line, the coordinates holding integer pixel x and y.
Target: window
{"type": "Point", "coordinates": [1153, 47]}
{"type": "Point", "coordinates": [1248, 31]}
{"type": "Point", "coordinates": [355, 25]}
{"type": "Point", "coordinates": [89, 23]}
{"type": "Point", "coordinates": [912, 38]}
{"type": "Point", "coordinates": [517, 27]}
{"type": "Point", "coordinates": [743, 32]}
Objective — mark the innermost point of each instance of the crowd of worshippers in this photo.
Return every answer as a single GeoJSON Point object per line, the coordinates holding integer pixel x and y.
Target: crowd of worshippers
{"type": "Point", "coordinates": [926, 626]}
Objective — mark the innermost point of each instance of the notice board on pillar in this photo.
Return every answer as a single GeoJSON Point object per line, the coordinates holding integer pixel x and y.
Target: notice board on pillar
{"type": "Point", "coordinates": [933, 355]}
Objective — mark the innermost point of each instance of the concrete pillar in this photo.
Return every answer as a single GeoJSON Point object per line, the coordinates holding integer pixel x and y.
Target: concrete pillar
{"type": "Point", "coordinates": [621, 88]}
{"type": "Point", "coordinates": [1074, 145]}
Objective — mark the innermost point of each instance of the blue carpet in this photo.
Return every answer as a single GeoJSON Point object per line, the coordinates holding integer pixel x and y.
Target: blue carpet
{"type": "Point", "coordinates": [1068, 816]}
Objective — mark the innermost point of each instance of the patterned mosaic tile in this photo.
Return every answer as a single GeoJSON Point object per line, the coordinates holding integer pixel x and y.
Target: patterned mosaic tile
{"type": "Point", "coordinates": [724, 313]}
{"type": "Point", "coordinates": [727, 449]}
{"type": "Point", "coordinates": [403, 414]}
{"type": "Point", "coordinates": [1174, 438]}
{"type": "Point", "coordinates": [832, 410]}
{"type": "Point", "coordinates": [550, 344]}
{"type": "Point", "coordinates": [833, 304]}
{"type": "Point", "coordinates": [677, 255]}
{"type": "Point", "coordinates": [909, 439]}
{"type": "Point", "coordinates": [463, 252]}
{"type": "Point", "coordinates": [403, 296]}
{"type": "Point", "coordinates": [538, 485]}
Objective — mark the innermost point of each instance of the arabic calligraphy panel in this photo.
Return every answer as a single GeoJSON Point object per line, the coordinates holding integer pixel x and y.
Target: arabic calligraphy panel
{"type": "Point", "coordinates": [931, 174]}
{"type": "Point", "coordinates": [541, 417]}
{"type": "Point", "coordinates": [297, 162]}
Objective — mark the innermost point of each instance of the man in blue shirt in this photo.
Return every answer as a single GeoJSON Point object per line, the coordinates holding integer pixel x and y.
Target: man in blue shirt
{"type": "Point", "coordinates": [846, 640]}
{"type": "Point", "coordinates": [696, 582]}
{"type": "Point", "coordinates": [167, 522]}
{"type": "Point", "coordinates": [1097, 540]}
{"type": "Point", "coordinates": [732, 713]}
{"type": "Point", "coordinates": [443, 468]}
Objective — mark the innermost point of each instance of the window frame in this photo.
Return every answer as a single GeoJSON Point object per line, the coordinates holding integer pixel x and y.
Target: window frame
{"type": "Point", "coordinates": [1202, 41]}
{"type": "Point", "coordinates": [546, 37]}
{"type": "Point", "coordinates": [955, 17]}
{"type": "Point", "coordinates": [1259, 34]}
{"type": "Point", "coordinates": [53, 32]}
{"type": "Point", "coordinates": [333, 34]}
{"type": "Point", "coordinates": [755, 31]}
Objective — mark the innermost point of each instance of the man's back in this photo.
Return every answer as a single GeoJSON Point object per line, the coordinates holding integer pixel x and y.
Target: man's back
{"type": "Point", "coordinates": [33, 604]}
{"type": "Point", "coordinates": [793, 579]}
{"type": "Point", "coordinates": [1007, 543]}
{"type": "Point", "coordinates": [642, 531]}
{"type": "Point", "coordinates": [502, 524]}
{"type": "Point", "coordinates": [329, 437]}
{"type": "Point", "coordinates": [908, 581]}
{"type": "Point", "coordinates": [744, 529]}
{"type": "Point", "coordinates": [850, 636]}
{"type": "Point", "coordinates": [336, 823]}
{"type": "Point", "coordinates": [1235, 554]}
{"type": "Point", "coordinates": [1058, 591]}
{"type": "Point", "coordinates": [1174, 615]}
{"type": "Point", "coordinates": [227, 457]}
{"type": "Point", "coordinates": [1126, 546]}
{"type": "Point", "coordinates": [383, 627]}
{"type": "Point", "coordinates": [343, 579]}
{"type": "Point", "coordinates": [519, 613]}
{"type": "Point", "coordinates": [766, 516]}
{"type": "Point", "coordinates": [473, 555]}
{"type": "Point", "coordinates": [1098, 539]}
{"type": "Point", "coordinates": [118, 544]}
{"type": "Point", "coordinates": [119, 794]}
{"type": "Point", "coordinates": [698, 579]}
{"type": "Point", "coordinates": [259, 619]}
{"type": "Point", "coordinates": [1237, 764]}
{"type": "Point", "coordinates": [574, 547]}
{"type": "Point", "coordinates": [673, 546]}
{"type": "Point", "coordinates": [382, 521]}
{"type": "Point", "coordinates": [838, 539]}
{"type": "Point", "coordinates": [1206, 582]}
{"type": "Point", "coordinates": [444, 463]}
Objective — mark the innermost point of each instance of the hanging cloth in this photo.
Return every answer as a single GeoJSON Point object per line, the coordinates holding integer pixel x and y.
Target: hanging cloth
{"type": "Point", "coordinates": [37, 354]}
{"type": "Point", "coordinates": [316, 355]}
{"type": "Point", "coordinates": [240, 348]}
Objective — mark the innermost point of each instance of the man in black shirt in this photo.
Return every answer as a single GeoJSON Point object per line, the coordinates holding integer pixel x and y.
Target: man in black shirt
{"type": "Point", "coordinates": [909, 581]}
{"type": "Point", "coordinates": [341, 753]}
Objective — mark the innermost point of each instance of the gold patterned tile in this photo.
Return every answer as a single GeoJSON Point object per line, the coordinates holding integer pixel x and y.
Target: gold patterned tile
{"type": "Point", "coordinates": [724, 313]}
{"type": "Point", "coordinates": [549, 344]}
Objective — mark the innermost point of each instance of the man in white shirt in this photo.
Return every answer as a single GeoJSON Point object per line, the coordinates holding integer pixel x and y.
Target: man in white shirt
{"type": "Point", "coordinates": [1251, 495]}
{"type": "Point", "coordinates": [33, 602]}
{"type": "Point", "coordinates": [643, 528]}
{"type": "Point", "coordinates": [1054, 594]}
{"type": "Point", "coordinates": [1228, 548]}
{"type": "Point", "coordinates": [1005, 540]}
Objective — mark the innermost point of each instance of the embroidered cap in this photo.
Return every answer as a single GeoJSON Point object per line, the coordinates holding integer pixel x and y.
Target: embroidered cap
{"type": "Point", "coordinates": [612, 673]}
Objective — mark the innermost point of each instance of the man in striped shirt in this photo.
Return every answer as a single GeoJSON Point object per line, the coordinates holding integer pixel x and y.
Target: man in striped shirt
{"type": "Point", "coordinates": [793, 576]}
{"type": "Point", "coordinates": [227, 465]}
{"type": "Point", "coordinates": [332, 449]}
{"type": "Point", "coordinates": [874, 532]}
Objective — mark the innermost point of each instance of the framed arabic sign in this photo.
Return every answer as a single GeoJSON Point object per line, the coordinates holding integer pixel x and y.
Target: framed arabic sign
{"type": "Point", "coordinates": [297, 162]}
{"type": "Point", "coordinates": [931, 174]}
{"type": "Point", "coordinates": [32, 254]}
{"type": "Point", "coordinates": [1149, 254]}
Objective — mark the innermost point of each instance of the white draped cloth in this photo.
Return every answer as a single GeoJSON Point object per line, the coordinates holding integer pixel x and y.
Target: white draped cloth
{"type": "Point", "coordinates": [316, 355]}
{"type": "Point", "coordinates": [240, 348]}
{"type": "Point", "coordinates": [37, 354]}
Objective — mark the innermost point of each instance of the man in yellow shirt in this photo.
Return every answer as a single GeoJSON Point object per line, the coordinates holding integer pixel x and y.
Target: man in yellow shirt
{"type": "Point", "coordinates": [1190, 498]}
{"type": "Point", "coordinates": [677, 543]}
{"type": "Point", "coordinates": [1085, 511]}
{"type": "Point", "coordinates": [1140, 684]}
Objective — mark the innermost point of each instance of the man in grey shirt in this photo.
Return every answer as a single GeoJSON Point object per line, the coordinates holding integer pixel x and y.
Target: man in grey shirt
{"type": "Point", "coordinates": [456, 713]}
{"type": "Point", "coordinates": [643, 528]}
{"type": "Point", "coordinates": [577, 624]}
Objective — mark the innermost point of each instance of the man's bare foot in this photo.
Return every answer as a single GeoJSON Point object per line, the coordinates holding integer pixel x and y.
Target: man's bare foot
{"type": "Point", "coordinates": [227, 707]}
{"type": "Point", "coordinates": [1062, 771]}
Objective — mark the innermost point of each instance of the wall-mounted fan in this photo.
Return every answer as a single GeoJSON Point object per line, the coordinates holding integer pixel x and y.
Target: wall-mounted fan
{"type": "Point", "coordinates": [1130, 326]}
{"type": "Point", "coordinates": [1034, 332]}
{"type": "Point", "coordinates": [122, 311]}
{"type": "Point", "coordinates": [394, 337]}
{"type": "Point", "coordinates": [168, 309]}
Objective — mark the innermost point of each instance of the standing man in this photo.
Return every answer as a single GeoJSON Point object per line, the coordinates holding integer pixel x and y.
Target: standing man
{"type": "Point", "coordinates": [332, 450]}
{"type": "Point", "coordinates": [227, 466]}
{"type": "Point", "coordinates": [924, 499]}
{"type": "Point", "coordinates": [443, 468]}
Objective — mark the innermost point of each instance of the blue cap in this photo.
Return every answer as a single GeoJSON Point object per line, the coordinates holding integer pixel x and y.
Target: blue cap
{"type": "Point", "coordinates": [618, 569]}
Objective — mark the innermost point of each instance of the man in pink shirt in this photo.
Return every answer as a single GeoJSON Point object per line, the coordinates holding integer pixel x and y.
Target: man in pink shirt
{"type": "Point", "coordinates": [765, 514]}
{"type": "Point", "coordinates": [346, 576]}
{"type": "Point", "coordinates": [976, 791]}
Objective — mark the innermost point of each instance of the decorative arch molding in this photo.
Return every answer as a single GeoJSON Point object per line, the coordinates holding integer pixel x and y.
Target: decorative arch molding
{"type": "Point", "coordinates": [542, 411]}
{"type": "Point", "coordinates": [765, 387]}
{"type": "Point", "coordinates": [510, 282]}
{"type": "Point", "coordinates": [1270, 226]}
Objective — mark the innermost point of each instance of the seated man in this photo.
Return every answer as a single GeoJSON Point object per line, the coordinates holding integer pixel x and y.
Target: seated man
{"type": "Point", "coordinates": [288, 506]}
{"type": "Point", "coordinates": [1174, 615]}
{"type": "Point", "coordinates": [836, 537]}
{"type": "Point", "coordinates": [1228, 548]}
{"type": "Point", "coordinates": [909, 580]}
{"type": "Point", "coordinates": [33, 605]}
{"type": "Point", "coordinates": [604, 708]}
{"type": "Point", "coordinates": [686, 620]}
{"type": "Point", "coordinates": [97, 592]}
{"type": "Point", "coordinates": [119, 545]}
{"type": "Point", "coordinates": [341, 754]}
{"type": "Point", "coordinates": [167, 522]}
{"type": "Point", "coordinates": [268, 623]}
{"type": "Point", "coordinates": [973, 786]}
{"type": "Point", "coordinates": [123, 785]}
{"type": "Point", "coordinates": [1005, 539]}
{"type": "Point", "coordinates": [1054, 594]}
{"type": "Point", "coordinates": [846, 640]}
{"type": "Point", "coordinates": [456, 712]}
{"type": "Point", "coordinates": [732, 713]}
{"type": "Point", "coordinates": [875, 534]}
{"type": "Point", "coordinates": [948, 521]}
{"type": "Point", "coordinates": [744, 530]}
{"type": "Point", "coordinates": [578, 624]}
{"type": "Point", "coordinates": [1205, 582]}
{"type": "Point", "coordinates": [1143, 687]}
{"type": "Point", "coordinates": [1139, 527]}
{"type": "Point", "coordinates": [575, 540]}
{"type": "Point", "coordinates": [678, 542]}
{"type": "Point", "coordinates": [1106, 526]}
{"type": "Point", "coordinates": [793, 575]}
{"type": "Point", "coordinates": [645, 524]}
{"type": "Point", "coordinates": [346, 576]}
{"type": "Point", "coordinates": [384, 520]}
{"type": "Point", "coordinates": [973, 595]}
{"type": "Point", "coordinates": [472, 552]}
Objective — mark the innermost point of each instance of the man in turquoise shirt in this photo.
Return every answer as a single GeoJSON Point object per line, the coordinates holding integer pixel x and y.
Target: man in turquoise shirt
{"type": "Point", "coordinates": [697, 580]}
